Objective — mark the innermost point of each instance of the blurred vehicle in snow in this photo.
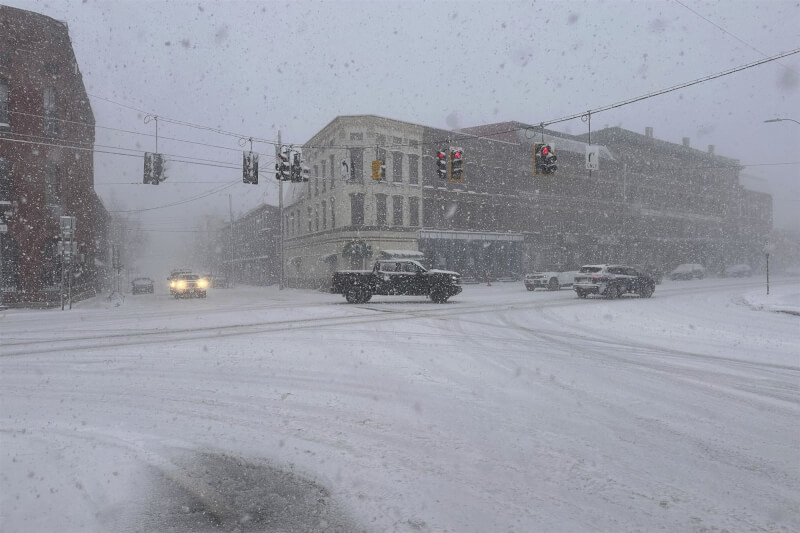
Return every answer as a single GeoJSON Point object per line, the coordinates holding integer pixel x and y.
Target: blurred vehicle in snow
{"type": "Point", "coordinates": [552, 281]}
{"type": "Point", "coordinates": [142, 286]}
{"type": "Point", "coordinates": [188, 285]}
{"type": "Point", "coordinates": [397, 277]}
{"type": "Point", "coordinates": [216, 282]}
{"type": "Point", "coordinates": [737, 271]}
{"type": "Point", "coordinates": [612, 281]}
{"type": "Point", "coordinates": [688, 271]}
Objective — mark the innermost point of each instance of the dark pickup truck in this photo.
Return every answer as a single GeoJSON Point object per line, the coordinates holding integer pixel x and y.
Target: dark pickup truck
{"type": "Point", "coordinates": [396, 277]}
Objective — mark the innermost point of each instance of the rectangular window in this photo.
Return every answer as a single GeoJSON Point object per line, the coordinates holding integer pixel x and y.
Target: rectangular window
{"type": "Point", "coordinates": [324, 177]}
{"type": "Point", "coordinates": [397, 210]}
{"type": "Point", "coordinates": [333, 212]}
{"type": "Point", "coordinates": [5, 180]}
{"type": "Point", "coordinates": [356, 136]}
{"type": "Point", "coordinates": [52, 185]}
{"type": "Point", "coordinates": [4, 119]}
{"type": "Point", "coordinates": [316, 219]}
{"type": "Point", "coordinates": [309, 220]}
{"type": "Point", "coordinates": [413, 169]}
{"type": "Point", "coordinates": [397, 166]}
{"type": "Point", "coordinates": [324, 214]}
{"type": "Point", "coordinates": [357, 209]}
{"type": "Point", "coordinates": [380, 209]}
{"type": "Point", "coordinates": [413, 211]}
{"type": "Point", "coordinates": [50, 120]}
{"type": "Point", "coordinates": [333, 169]}
{"type": "Point", "coordinates": [357, 165]}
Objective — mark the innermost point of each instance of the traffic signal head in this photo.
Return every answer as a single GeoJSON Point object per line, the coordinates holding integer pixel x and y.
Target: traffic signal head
{"type": "Point", "coordinates": [282, 169]}
{"type": "Point", "coordinates": [544, 159]}
{"type": "Point", "coordinates": [250, 168]}
{"type": "Point", "coordinates": [441, 164]}
{"type": "Point", "coordinates": [378, 170]}
{"type": "Point", "coordinates": [153, 168]}
{"type": "Point", "coordinates": [456, 164]}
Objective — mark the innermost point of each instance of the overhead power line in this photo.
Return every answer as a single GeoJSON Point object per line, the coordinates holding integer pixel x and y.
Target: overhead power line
{"type": "Point", "coordinates": [180, 202]}
{"type": "Point", "coordinates": [727, 32]}
{"type": "Point", "coordinates": [462, 136]}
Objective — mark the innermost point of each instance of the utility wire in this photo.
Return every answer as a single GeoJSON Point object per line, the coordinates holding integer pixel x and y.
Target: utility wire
{"type": "Point", "coordinates": [173, 157]}
{"type": "Point", "coordinates": [181, 202]}
{"type": "Point", "coordinates": [133, 132]}
{"type": "Point", "coordinates": [729, 33]}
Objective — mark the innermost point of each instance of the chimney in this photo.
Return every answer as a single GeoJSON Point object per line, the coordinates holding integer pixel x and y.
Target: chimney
{"type": "Point", "coordinates": [648, 132]}
{"type": "Point", "coordinates": [686, 142]}
{"type": "Point", "coordinates": [711, 149]}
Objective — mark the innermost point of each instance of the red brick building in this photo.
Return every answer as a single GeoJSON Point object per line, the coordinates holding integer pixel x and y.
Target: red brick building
{"type": "Point", "coordinates": [46, 161]}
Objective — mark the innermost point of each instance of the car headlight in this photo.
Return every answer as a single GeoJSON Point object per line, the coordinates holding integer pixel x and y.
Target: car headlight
{"type": "Point", "coordinates": [181, 284]}
{"type": "Point", "coordinates": [202, 283]}
{"type": "Point", "coordinates": [172, 284]}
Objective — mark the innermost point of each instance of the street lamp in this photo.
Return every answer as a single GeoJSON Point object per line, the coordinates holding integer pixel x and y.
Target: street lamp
{"type": "Point", "coordinates": [781, 120]}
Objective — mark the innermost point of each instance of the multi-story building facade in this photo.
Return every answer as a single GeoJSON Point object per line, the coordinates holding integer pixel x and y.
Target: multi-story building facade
{"type": "Point", "coordinates": [250, 247]}
{"type": "Point", "coordinates": [46, 160]}
{"type": "Point", "coordinates": [681, 204]}
{"type": "Point", "coordinates": [342, 217]}
{"type": "Point", "coordinates": [649, 202]}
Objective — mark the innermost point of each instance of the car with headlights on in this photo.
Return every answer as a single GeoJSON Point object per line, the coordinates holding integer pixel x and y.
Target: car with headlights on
{"type": "Point", "coordinates": [613, 281]}
{"type": "Point", "coordinates": [188, 286]}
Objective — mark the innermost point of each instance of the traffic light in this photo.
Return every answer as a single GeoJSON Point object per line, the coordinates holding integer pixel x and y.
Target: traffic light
{"type": "Point", "coordinates": [456, 164]}
{"type": "Point", "coordinates": [250, 168]}
{"type": "Point", "coordinates": [299, 171]}
{"type": "Point", "coordinates": [544, 159]}
{"type": "Point", "coordinates": [441, 164]}
{"type": "Point", "coordinates": [282, 169]}
{"type": "Point", "coordinates": [153, 169]}
{"type": "Point", "coordinates": [378, 170]}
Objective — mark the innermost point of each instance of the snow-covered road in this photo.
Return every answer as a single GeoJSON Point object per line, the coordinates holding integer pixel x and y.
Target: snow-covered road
{"type": "Point", "coordinates": [503, 410]}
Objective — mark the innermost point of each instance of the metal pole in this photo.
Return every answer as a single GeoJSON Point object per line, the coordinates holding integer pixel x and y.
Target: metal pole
{"type": "Point", "coordinates": [69, 283]}
{"type": "Point", "coordinates": [61, 288]}
{"type": "Point", "coordinates": [2, 270]}
{"type": "Point", "coordinates": [233, 244]}
{"type": "Point", "coordinates": [767, 272]}
{"type": "Point", "coordinates": [281, 282]}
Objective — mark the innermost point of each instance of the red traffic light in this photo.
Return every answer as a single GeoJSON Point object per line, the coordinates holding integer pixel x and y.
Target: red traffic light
{"type": "Point", "coordinates": [441, 155]}
{"type": "Point", "coordinates": [457, 154]}
{"type": "Point", "coordinates": [545, 150]}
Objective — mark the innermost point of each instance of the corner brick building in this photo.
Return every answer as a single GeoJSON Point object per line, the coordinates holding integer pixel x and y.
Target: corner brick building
{"type": "Point", "coordinates": [46, 162]}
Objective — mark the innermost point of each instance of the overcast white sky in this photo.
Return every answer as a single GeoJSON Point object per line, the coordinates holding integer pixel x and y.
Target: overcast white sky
{"type": "Point", "coordinates": [256, 67]}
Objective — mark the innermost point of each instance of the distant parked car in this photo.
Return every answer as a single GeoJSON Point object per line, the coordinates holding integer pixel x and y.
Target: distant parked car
{"type": "Point", "coordinates": [688, 271]}
{"type": "Point", "coordinates": [552, 281]}
{"type": "Point", "coordinates": [142, 286]}
{"type": "Point", "coordinates": [612, 281]}
{"type": "Point", "coordinates": [737, 271]}
{"type": "Point", "coordinates": [216, 282]}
